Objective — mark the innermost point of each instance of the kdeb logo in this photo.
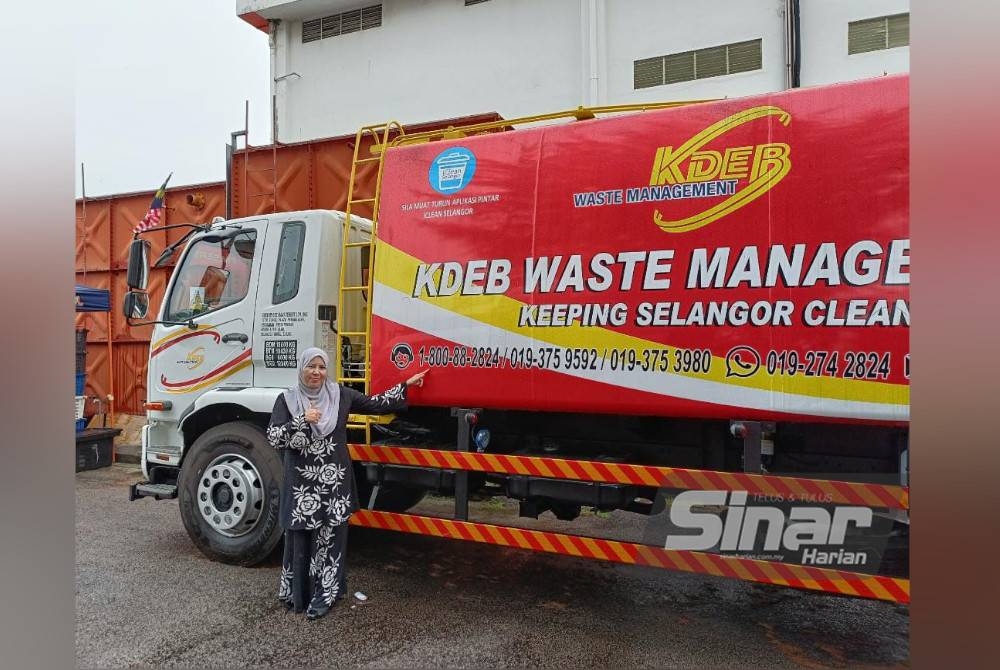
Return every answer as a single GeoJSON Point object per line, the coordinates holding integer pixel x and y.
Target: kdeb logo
{"type": "Point", "coordinates": [744, 173]}
{"type": "Point", "coordinates": [452, 170]}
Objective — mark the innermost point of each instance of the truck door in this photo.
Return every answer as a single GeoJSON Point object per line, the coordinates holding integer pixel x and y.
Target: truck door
{"type": "Point", "coordinates": [215, 288]}
{"type": "Point", "coordinates": [286, 301]}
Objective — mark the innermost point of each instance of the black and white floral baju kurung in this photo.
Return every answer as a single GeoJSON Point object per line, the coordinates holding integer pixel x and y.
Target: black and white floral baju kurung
{"type": "Point", "coordinates": [318, 496]}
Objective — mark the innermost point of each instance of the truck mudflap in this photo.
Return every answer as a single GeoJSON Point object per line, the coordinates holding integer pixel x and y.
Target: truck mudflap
{"type": "Point", "coordinates": [807, 577]}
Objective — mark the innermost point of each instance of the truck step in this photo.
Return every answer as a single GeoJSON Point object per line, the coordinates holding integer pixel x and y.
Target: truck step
{"type": "Point", "coordinates": [157, 491]}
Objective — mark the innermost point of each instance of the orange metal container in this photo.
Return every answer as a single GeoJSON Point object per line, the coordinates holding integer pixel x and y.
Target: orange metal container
{"type": "Point", "coordinates": [286, 177]}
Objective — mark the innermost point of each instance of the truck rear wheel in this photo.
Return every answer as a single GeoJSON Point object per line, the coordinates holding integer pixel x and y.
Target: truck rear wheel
{"type": "Point", "coordinates": [228, 490]}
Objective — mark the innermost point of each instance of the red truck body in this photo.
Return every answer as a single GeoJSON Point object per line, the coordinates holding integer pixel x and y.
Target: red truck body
{"type": "Point", "coordinates": [732, 259]}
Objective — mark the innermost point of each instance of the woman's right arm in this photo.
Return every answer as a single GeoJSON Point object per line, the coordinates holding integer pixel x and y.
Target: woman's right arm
{"type": "Point", "coordinates": [286, 431]}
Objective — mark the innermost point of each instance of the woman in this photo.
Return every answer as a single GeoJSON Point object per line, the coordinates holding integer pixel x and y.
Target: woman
{"type": "Point", "coordinates": [309, 425]}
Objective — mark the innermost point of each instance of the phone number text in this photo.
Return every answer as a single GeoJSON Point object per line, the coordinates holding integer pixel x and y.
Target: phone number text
{"type": "Point", "coordinates": [666, 360]}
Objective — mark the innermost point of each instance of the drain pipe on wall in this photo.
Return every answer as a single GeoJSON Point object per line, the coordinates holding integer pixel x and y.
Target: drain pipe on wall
{"type": "Point", "coordinates": [593, 39]}
{"type": "Point", "coordinates": [793, 45]}
{"type": "Point", "coordinates": [272, 42]}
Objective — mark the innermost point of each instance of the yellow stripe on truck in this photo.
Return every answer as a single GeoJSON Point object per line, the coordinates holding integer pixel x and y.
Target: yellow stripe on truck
{"type": "Point", "coordinates": [396, 269]}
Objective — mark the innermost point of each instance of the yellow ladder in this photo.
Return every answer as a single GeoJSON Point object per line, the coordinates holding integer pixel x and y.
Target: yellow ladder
{"type": "Point", "coordinates": [378, 136]}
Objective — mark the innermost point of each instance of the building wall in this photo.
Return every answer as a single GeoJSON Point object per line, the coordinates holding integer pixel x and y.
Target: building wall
{"type": "Point", "coordinates": [644, 29]}
{"type": "Point", "coordinates": [824, 41]}
{"type": "Point", "coordinates": [438, 58]}
{"type": "Point", "coordinates": [430, 59]}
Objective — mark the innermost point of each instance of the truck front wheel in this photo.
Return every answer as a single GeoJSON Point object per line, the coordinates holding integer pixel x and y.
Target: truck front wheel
{"type": "Point", "coordinates": [228, 490]}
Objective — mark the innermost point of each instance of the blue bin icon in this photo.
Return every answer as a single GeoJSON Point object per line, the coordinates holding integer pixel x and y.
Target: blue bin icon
{"type": "Point", "coordinates": [452, 170]}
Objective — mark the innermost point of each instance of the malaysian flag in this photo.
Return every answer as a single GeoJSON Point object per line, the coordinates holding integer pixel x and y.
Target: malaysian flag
{"type": "Point", "coordinates": [152, 217]}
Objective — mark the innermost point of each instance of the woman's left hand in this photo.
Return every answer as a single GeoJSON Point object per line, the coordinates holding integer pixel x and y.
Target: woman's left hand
{"type": "Point", "coordinates": [417, 379]}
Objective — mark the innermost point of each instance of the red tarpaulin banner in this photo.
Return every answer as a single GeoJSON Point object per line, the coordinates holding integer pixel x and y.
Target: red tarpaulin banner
{"type": "Point", "coordinates": [736, 259]}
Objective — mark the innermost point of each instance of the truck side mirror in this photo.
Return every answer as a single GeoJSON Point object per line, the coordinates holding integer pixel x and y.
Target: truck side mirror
{"type": "Point", "coordinates": [138, 265]}
{"type": "Point", "coordinates": [136, 305]}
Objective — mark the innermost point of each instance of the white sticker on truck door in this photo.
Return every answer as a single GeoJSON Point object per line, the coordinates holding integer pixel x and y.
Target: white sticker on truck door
{"type": "Point", "coordinates": [281, 324]}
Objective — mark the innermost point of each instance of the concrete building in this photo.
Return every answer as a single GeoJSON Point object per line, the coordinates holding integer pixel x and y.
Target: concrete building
{"type": "Point", "coordinates": [340, 64]}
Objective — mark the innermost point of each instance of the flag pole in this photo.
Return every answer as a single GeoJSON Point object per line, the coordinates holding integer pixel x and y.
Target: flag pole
{"type": "Point", "coordinates": [110, 413]}
{"type": "Point", "coordinates": [83, 215]}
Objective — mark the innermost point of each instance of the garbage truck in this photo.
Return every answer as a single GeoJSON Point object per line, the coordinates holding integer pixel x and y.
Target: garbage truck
{"type": "Point", "coordinates": [614, 303]}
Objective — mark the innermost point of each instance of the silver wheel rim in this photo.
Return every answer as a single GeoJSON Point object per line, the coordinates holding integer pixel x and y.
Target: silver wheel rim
{"type": "Point", "coordinates": [230, 495]}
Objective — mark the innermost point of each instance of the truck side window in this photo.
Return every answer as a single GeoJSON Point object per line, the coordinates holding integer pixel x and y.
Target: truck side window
{"type": "Point", "coordinates": [286, 275]}
{"type": "Point", "coordinates": [213, 275]}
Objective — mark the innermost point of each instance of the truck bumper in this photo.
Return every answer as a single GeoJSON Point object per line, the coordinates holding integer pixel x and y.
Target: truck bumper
{"type": "Point", "coordinates": [155, 451]}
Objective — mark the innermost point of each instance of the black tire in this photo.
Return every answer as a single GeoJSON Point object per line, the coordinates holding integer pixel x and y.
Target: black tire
{"type": "Point", "coordinates": [245, 445]}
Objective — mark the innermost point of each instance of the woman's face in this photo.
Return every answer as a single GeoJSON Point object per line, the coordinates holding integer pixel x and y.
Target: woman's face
{"type": "Point", "coordinates": [314, 373]}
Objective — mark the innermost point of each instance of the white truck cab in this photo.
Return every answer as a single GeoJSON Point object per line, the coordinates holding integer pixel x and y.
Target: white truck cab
{"type": "Point", "coordinates": [245, 298]}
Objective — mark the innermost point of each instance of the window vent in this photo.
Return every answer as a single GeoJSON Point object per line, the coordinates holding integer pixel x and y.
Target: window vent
{"type": "Point", "coordinates": [699, 64]}
{"type": "Point", "coordinates": [312, 30]}
{"type": "Point", "coordinates": [371, 17]}
{"type": "Point", "coordinates": [648, 72]}
{"type": "Point", "coordinates": [342, 24]}
{"type": "Point", "coordinates": [884, 32]}
{"type": "Point", "coordinates": [350, 22]}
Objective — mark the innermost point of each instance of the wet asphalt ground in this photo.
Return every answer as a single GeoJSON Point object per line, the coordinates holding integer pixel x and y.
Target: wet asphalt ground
{"type": "Point", "coordinates": [146, 597]}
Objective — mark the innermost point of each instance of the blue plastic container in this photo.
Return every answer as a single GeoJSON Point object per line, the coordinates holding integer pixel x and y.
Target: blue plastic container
{"type": "Point", "coordinates": [80, 424]}
{"type": "Point", "coordinates": [81, 380]}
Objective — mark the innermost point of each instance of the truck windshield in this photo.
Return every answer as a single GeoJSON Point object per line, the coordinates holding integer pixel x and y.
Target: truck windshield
{"type": "Point", "coordinates": [211, 276]}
